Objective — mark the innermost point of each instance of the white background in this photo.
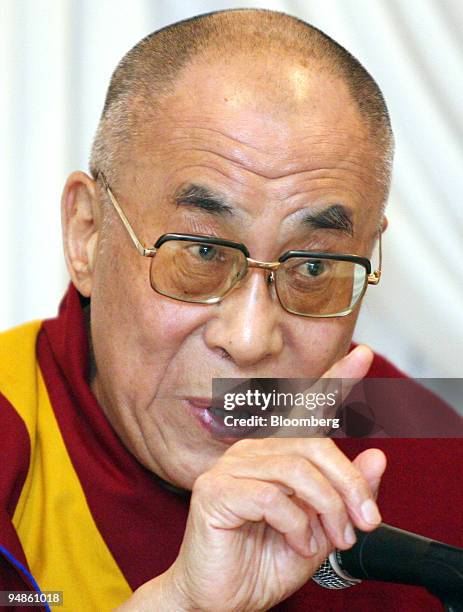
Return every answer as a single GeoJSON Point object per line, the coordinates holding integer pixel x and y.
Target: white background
{"type": "Point", "coordinates": [56, 57]}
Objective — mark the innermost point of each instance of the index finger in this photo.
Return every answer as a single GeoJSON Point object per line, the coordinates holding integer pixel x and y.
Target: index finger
{"type": "Point", "coordinates": [323, 453]}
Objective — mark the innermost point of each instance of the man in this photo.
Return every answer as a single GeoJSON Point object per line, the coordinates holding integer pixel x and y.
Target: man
{"type": "Point", "coordinates": [255, 129]}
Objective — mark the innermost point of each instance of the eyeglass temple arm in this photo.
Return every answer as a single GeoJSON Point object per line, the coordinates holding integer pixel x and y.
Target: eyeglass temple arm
{"type": "Point", "coordinates": [373, 278]}
{"type": "Point", "coordinates": [139, 246]}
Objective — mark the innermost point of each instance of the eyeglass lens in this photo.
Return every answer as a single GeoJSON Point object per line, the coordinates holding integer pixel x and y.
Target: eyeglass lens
{"type": "Point", "coordinates": [197, 272]}
{"type": "Point", "coordinates": [320, 286]}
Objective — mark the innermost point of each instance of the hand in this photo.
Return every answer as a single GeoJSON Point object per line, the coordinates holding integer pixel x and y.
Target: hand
{"type": "Point", "coordinates": [266, 515]}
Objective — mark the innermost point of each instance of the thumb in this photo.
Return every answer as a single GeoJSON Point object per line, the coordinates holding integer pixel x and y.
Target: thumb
{"type": "Point", "coordinates": [350, 369]}
{"type": "Point", "coordinates": [372, 463]}
{"type": "Point", "coordinates": [354, 365]}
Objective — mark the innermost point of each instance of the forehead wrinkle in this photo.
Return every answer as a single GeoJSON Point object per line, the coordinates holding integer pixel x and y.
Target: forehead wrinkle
{"type": "Point", "coordinates": [312, 173]}
{"type": "Point", "coordinates": [223, 134]}
{"type": "Point", "coordinates": [200, 178]}
{"type": "Point", "coordinates": [236, 171]}
{"type": "Point", "coordinates": [284, 141]}
{"type": "Point", "coordinates": [321, 178]}
{"type": "Point", "coordinates": [247, 165]}
{"type": "Point", "coordinates": [283, 161]}
{"type": "Point", "coordinates": [336, 178]}
{"type": "Point", "coordinates": [320, 186]}
{"type": "Point", "coordinates": [262, 151]}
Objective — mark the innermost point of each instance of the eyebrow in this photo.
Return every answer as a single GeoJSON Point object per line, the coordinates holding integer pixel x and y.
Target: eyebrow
{"type": "Point", "coordinates": [336, 217]}
{"type": "Point", "coordinates": [198, 196]}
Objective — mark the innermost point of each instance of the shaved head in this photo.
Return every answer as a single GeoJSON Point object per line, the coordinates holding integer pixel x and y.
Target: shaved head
{"type": "Point", "coordinates": [149, 73]}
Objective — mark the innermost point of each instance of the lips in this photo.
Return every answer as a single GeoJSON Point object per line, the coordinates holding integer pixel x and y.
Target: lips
{"type": "Point", "coordinates": [211, 417]}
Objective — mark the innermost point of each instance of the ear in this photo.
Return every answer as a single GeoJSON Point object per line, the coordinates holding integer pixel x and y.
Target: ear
{"type": "Point", "coordinates": [81, 218]}
{"type": "Point", "coordinates": [384, 224]}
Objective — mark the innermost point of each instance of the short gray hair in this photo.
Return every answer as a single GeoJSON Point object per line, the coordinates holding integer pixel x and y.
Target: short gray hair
{"type": "Point", "coordinates": [147, 74]}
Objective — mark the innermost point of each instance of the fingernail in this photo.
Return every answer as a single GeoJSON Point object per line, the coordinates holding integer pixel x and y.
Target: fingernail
{"type": "Point", "coordinates": [358, 350]}
{"type": "Point", "coordinates": [370, 512]}
{"type": "Point", "coordinates": [349, 534]}
{"type": "Point", "coordinates": [313, 545]}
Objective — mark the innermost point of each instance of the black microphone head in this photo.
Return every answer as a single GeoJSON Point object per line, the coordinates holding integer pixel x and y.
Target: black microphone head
{"type": "Point", "coordinates": [389, 554]}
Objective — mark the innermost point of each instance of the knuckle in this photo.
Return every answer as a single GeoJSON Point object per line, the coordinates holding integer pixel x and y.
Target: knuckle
{"type": "Point", "coordinates": [323, 449]}
{"type": "Point", "coordinates": [331, 503]}
{"type": "Point", "coordinates": [354, 481]}
{"type": "Point", "coordinates": [298, 468]}
{"type": "Point", "coordinates": [211, 487]}
{"type": "Point", "coordinates": [300, 521]}
{"type": "Point", "coordinates": [323, 444]}
{"type": "Point", "coordinates": [268, 494]}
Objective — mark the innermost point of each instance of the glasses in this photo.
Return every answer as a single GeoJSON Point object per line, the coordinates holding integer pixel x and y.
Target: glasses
{"type": "Point", "coordinates": [204, 269]}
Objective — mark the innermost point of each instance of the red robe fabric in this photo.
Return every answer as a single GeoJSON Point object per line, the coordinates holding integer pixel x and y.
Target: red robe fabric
{"type": "Point", "coordinates": [142, 522]}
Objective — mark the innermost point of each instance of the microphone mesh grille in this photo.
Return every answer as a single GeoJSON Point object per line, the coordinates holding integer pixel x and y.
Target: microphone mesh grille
{"type": "Point", "coordinates": [328, 578]}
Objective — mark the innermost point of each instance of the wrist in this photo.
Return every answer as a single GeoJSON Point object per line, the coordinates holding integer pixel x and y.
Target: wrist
{"type": "Point", "coordinates": [162, 593]}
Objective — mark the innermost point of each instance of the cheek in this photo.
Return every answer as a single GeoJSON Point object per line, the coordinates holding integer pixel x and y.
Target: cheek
{"type": "Point", "coordinates": [167, 323]}
{"type": "Point", "coordinates": [319, 343]}
{"type": "Point", "coordinates": [135, 329]}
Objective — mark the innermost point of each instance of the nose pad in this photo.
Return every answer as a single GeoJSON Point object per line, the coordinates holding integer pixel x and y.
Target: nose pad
{"type": "Point", "coordinates": [239, 277]}
{"type": "Point", "coordinates": [270, 280]}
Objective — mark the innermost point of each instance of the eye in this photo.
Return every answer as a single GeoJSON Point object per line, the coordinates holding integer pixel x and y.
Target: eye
{"type": "Point", "coordinates": [205, 252]}
{"type": "Point", "coordinates": [314, 267]}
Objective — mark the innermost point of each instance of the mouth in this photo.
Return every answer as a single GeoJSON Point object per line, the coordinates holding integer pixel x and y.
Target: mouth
{"type": "Point", "coordinates": [226, 425]}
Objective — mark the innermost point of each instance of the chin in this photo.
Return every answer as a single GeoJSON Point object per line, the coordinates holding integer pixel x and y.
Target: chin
{"type": "Point", "coordinates": [184, 465]}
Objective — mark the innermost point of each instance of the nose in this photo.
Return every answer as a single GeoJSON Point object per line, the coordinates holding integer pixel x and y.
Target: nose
{"type": "Point", "coordinates": [247, 325]}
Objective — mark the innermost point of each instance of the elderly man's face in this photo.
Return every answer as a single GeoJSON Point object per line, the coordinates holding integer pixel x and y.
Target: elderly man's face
{"type": "Point", "coordinates": [273, 149]}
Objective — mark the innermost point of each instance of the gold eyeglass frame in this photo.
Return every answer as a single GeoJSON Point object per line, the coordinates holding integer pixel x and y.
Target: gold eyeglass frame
{"type": "Point", "coordinates": [373, 278]}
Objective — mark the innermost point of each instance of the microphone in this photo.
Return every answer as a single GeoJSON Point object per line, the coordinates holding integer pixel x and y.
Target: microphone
{"type": "Point", "coordinates": [389, 554]}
